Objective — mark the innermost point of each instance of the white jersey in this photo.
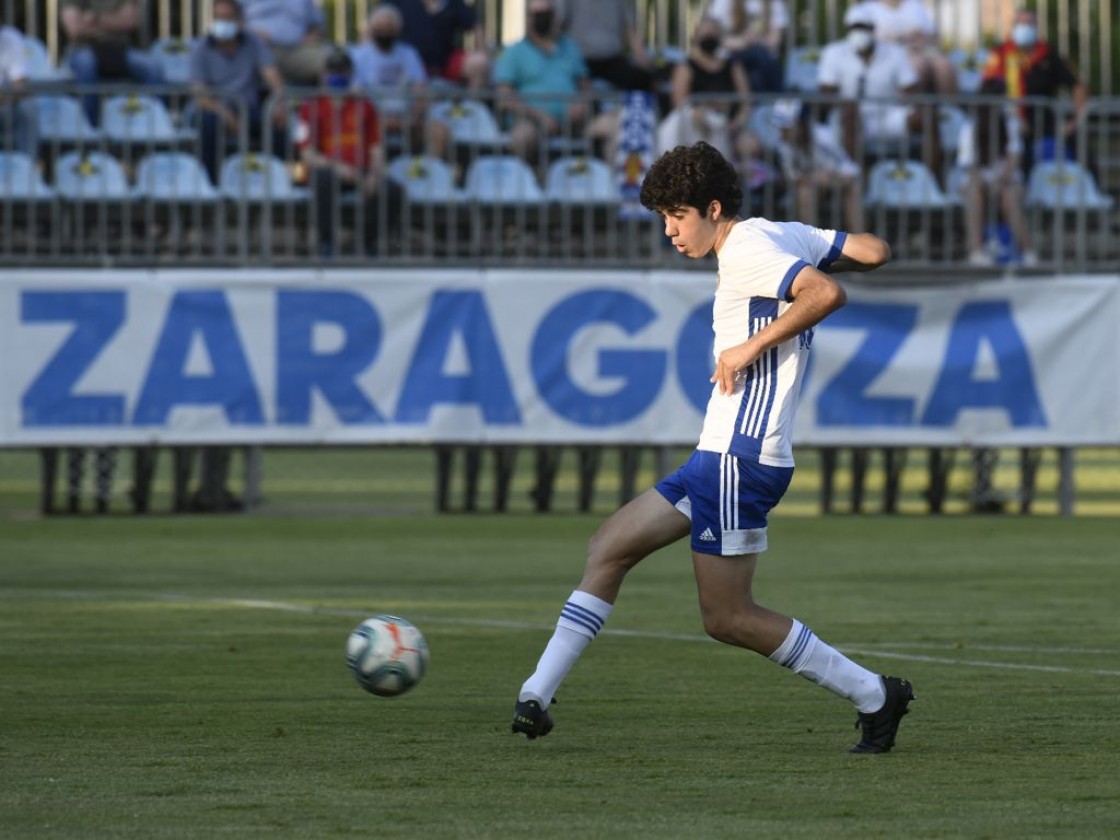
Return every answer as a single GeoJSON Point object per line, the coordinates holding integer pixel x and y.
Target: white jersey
{"type": "Point", "coordinates": [757, 265]}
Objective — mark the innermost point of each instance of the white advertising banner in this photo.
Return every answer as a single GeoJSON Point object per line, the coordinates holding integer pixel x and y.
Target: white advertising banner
{"type": "Point", "coordinates": [381, 356]}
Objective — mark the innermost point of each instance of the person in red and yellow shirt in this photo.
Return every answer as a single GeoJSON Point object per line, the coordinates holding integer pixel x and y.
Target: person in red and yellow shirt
{"type": "Point", "coordinates": [1029, 67]}
{"type": "Point", "coordinates": [340, 142]}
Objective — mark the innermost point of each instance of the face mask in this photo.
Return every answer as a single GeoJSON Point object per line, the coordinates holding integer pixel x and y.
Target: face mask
{"type": "Point", "coordinates": [708, 44]}
{"type": "Point", "coordinates": [861, 40]}
{"type": "Point", "coordinates": [1024, 35]}
{"type": "Point", "coordinates": [224, 30]}
{"type": "Point", "coordinates": [542, 23]}
{"type": "Point", "coordinates": [384, 42]}
{"type": "Point", "coordinates": [337, 81]}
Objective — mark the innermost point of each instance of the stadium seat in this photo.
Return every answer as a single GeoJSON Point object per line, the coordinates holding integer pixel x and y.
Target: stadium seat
{"type": "Point", "coordinates": [174, 177]}
{"type": "Point", "coordinates": [258, 178]}
{"type": "Point", "coordinates": [91, 176]}
{"type": "Point", "coordinates": [504, 180]}
{"type": "Point", "coordinates": [60, 119]}
{"type": "Point", "coordinates": [20, 179]}
{"type": "Point", "coordinates": [764, 127]}
{"type": "Point", "coordinates": [470, 122]}
{"type": "Point", "coordinates": [581, 181]}
{"type": "Point", "coordinates": [174, 57]}
{"type": "Point", "coordinates": [40, 68]}
{"type": "Point", "coordinates": [969, 64]}
{"type": "Point", "coordinates": [426, 179]}
{"type": "Point", "coordinates": [801, 68]}
{"type": "Point", "coordinates": [950, 121]}
{"type": "Point", "coordinates": [141, 119]}
{"type": "Point", "coordinates": [903, 185]}
{"type": "Point", "coordinates": [1064, 185]}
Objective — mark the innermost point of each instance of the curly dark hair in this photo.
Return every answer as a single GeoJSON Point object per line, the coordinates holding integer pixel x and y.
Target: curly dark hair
{"type": "Point", "coordinates": [692, 176]}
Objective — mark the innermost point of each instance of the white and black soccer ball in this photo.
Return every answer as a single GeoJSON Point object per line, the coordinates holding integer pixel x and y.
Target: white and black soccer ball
{"type": "Point", "coordinates": [387, 655]}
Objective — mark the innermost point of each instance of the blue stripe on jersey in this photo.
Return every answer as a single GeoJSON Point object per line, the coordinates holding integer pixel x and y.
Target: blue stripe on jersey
{"type": "Point", "coordinates": [787, 281]}
{"type": "Point", "coordinates": [582, 616]}
{"type": "Point", "coordinates": [834, 252]}
{"type": "Point", "coordinates": [760, 384]}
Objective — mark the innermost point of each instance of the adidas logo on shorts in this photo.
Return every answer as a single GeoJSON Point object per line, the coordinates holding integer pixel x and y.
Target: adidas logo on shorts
{"type": "Point", "coordinates": [707, 536]}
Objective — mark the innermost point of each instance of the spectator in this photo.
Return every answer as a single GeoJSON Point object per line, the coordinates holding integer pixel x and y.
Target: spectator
{"type": "Point", "coordinates": [228, 69]}
{"type": "Point", "coordinates": [15, 128]}
{"type": "Point", "coordinates": [105, 39]}
{"type": "Point", "coordinates": [988, 153]}
{"type": "Point", "coordinates": [292, 31]}
{"type": "Point", "coordinates": [1029, 67]}
{"type": "Point", "coordinates": [721, 122]}
{"type": "Point", "coordinates": [539, 79]}
{"type": "Point", "coordinates": [872, 79]}
{"type": "Point", "coordinates": [604, 30]}
{"type": "Point", "coordinates": [909, 24]}
{"type": "Point", "coordinates": [340, 141]}
{"type": "Point", "coordinates": [392, 72]}
{"type": "Point", "coordinates": [436, 28]}
{"type": "Point", "coordinates": [754, 35]}
{"type": "Point", "coordinates": [813, 161]}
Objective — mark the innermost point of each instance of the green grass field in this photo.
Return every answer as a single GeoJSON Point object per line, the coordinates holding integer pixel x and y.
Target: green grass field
{"type": "Point", "coordinates": [184, 677]}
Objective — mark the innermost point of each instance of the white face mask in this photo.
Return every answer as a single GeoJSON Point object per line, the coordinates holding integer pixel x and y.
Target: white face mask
{"type": "Point", "coordinates": [224, 30]}
{"type": "Point", "coordinates": [861, 40]}
{"type": "Point", "coordinates": [1024, 35]}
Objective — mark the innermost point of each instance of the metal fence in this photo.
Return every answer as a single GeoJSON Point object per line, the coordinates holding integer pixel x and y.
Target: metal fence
{"type": "Point", "coordinates": [152, 184]}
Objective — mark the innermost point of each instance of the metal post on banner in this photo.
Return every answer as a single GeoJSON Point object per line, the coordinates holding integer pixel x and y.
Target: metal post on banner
{"type": "Point", "coordinates": [1066, 489]}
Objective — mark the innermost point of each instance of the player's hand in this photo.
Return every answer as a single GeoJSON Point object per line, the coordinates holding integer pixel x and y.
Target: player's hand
{"type": "Point", "coordinates": [730, 363]}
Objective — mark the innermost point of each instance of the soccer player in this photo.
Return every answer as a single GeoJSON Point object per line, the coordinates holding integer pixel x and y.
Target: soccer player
{"type": "Point", "coordinates": [772, 290]}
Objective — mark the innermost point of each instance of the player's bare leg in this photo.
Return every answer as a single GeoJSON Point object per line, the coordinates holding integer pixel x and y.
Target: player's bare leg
{"type": "Point", "coordinates": [731, 615]}
{"type": "Point", "coordinates": [636, 530]}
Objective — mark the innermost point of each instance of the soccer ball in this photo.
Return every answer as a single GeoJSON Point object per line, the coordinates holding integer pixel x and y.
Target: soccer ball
{"type": "Point", "coordinates": [387, 655]}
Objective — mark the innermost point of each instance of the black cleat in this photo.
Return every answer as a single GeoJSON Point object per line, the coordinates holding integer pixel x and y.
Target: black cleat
{"type": "Point", "coordinates": [529, 718]}
{"type": "Point", "coordinates": [879, 728]}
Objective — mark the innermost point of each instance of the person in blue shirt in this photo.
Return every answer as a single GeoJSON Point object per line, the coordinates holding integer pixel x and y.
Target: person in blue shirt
{"type": "Point", "coordinates": [539, 80]}
{"type": "Point", "coordinates": [438, 29]}
{"type": "Point", "coordinates": [293, 32]}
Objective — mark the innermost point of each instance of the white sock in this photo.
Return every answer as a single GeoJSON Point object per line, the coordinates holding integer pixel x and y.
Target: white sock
{"type": "Point", "coordinates": [803, 653]}
{"type": "Point", "coordinates": [580, 621]}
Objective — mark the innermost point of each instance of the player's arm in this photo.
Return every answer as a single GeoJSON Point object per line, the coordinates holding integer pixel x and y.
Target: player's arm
{"type": "Point", "coordinates": [861, 252]}
{"type": "Point", "coordinates": [814, 295]}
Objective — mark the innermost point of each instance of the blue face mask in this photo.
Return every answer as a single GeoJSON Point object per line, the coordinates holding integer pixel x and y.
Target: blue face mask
{"type": "Point", "coordinates": [337, 81]}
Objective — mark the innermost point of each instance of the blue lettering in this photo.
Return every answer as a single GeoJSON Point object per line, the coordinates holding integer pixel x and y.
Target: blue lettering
{"type": "Point", "coordinates": [50, 399]}
{"type": "Point", "coordinates": [300, 370]}
{"type": "Point", "coordinates": [642, 371]}
{"type": "Point", "coordinates": [486, 383]}
{"type": "Point", "coordinates": [843, 401]}
{"type": "Point", "coordinates": [694, 356]}
{"type": "Point", "coordinates": [1013, 390]}
{"type": "Point", "coordinates": [230, 385]}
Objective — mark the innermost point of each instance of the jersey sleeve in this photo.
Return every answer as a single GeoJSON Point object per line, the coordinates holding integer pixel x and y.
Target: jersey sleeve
{"type": "Point", "coordinates": [762, 268]}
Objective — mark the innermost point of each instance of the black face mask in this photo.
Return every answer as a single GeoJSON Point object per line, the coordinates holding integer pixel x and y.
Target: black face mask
{"type": "Point", "coordinates": [384, 42]}
{"type": "Point", "coordinates": [542, 23]}
{"type": "Point", "coordinates": [708, 44]}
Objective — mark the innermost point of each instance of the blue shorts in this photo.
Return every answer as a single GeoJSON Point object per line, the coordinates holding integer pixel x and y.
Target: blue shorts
{"type": "Point", "coordinates": [727, 499]}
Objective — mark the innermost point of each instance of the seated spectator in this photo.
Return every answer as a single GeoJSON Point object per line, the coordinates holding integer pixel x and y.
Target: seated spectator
{"type": "Point", "coordinates": [1029, 67]}
{"type": "Point", "coordinates": [293, 32]}
{"type": "Point", "coordinates": [873, 79]}
{"type": "Point", "coordinates": [229, 67]}
{"type": "Point", "coordinates": [436, 28]}
{"type": "Point", "coordinates": [814, 162]}
{"type": "Point", "coordinates": [539, 80]}
{"type": "Point", "coordinates": [105, 46]}
{"type": "Point", "coordinates": [909, 24]}
{"type": "Point", "coordinates": [754, 35]}
{"type": "Point", "coordinates": [391, 72]}
{"type": "Point", "coordinates": [340, 141]}
{"type": "Point", "coordinates": [988, 153]}
{"type": "Point", "coordinates": [15, 128]}
{"type": "Point", "coordinates": [721, 122]}
{"type": "Point", "coordinates": [605, 32]}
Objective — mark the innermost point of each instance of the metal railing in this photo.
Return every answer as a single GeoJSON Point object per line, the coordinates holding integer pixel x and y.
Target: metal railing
{"type": "Point", "coordinates": [141, 188]}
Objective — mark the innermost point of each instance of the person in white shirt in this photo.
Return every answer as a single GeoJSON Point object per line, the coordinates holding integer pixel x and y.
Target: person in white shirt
{"type": "Point", "coordinates": [909, 24]}
{"type": "Point", "coordinates": [773, 288]}
{"type": "Point", "coordinates": [393, 74]}
{"type": "Point", "coordinates": [873, 79]}
{"type": "Point", "coordinates": [15, 128]}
